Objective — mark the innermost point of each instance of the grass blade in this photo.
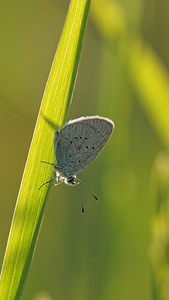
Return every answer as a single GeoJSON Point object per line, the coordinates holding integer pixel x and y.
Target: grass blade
{"type": "Point", "coordinates": [53, 113]}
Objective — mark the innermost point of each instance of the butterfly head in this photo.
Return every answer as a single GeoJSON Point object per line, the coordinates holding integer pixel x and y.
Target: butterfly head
{"type": "Point", "coordinates": [71, 180]}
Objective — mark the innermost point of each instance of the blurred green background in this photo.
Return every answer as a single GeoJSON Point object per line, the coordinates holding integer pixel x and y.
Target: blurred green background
{"type": "Point", "coordinates": [119, 248]}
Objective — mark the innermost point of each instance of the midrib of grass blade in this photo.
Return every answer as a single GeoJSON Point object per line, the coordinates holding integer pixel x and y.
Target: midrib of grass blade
{"type": "Point", "coordinates": [53, 113]}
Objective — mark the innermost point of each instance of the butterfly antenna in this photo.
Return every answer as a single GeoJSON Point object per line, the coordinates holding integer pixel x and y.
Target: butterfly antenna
{"type": "Point", "coordinates": [80, 200]}
{"type": "Point", "coordinates": [88, 189]}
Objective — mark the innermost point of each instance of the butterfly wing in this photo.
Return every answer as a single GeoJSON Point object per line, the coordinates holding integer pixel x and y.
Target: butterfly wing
{"type": "Point", "coordinates": [80, 141]}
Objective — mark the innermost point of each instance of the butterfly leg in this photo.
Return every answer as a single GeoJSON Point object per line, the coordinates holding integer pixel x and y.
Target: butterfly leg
{"type": "Point", "coordinates": [54, 176]}
{"type": "Point", "coordinates": [46, 183]}
{"type": "Point", "coordinates": [58, 179]}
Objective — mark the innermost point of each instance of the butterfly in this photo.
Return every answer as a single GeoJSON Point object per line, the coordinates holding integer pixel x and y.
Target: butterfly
{"type": "Point", "coordinates": [76, 145]}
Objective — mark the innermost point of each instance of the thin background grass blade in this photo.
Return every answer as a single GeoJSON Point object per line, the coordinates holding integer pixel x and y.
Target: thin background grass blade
{"type": "Point", "coordinates": [146, 74]}
{"type": "Point", "coordinates": [53, 113]}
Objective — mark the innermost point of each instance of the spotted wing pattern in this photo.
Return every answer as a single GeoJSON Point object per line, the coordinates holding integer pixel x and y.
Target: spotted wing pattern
{"type": "Point", "coordinates": [80, 141]}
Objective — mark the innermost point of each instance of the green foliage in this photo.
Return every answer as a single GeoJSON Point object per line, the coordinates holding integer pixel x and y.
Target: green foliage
{"type": "Point", "coordinates": [53, 113]}
{"type": "Point", "coordinates": [146, 74]}
{"type": "Point", "coordinates": [138, 73]}
{"type": "Point", "coordinates": [120, 246]}
{"type": "Point", "coordinates": [159, 246]}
